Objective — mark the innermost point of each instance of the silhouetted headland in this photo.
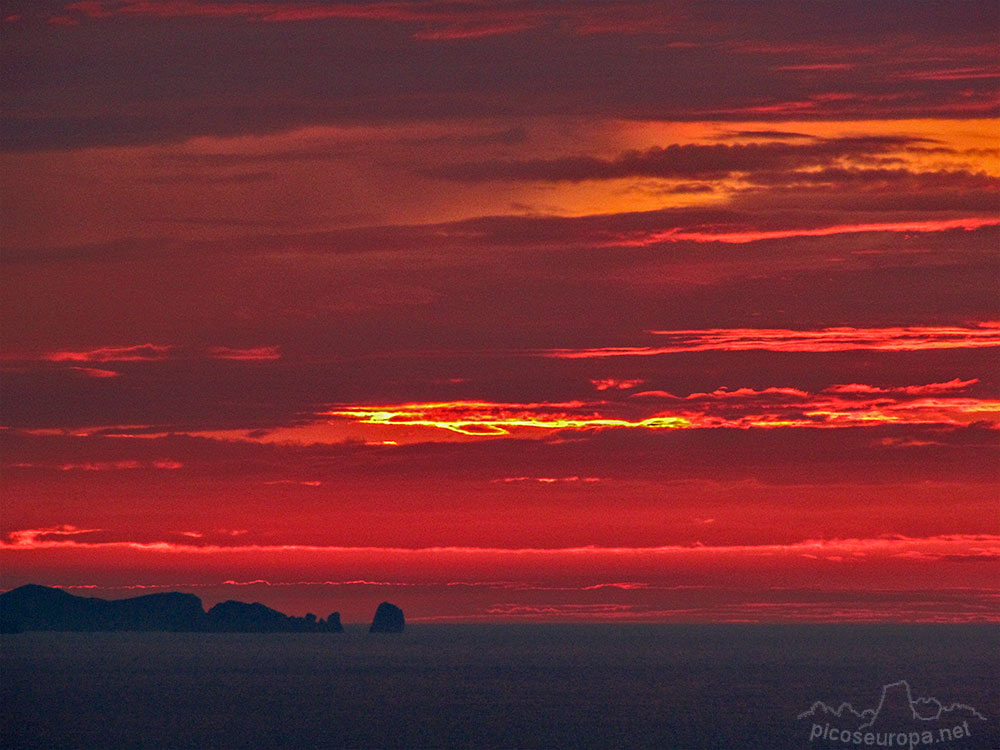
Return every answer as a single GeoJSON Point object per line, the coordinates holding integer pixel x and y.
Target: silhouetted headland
{"type": "Point", "coordinates": [34, 607]}
{"type": "Point", "coordinates": [388, 619]}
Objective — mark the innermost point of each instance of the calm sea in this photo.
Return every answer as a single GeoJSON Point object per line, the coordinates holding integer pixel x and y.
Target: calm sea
{"type": "Point", "coordinates": [482, 686]}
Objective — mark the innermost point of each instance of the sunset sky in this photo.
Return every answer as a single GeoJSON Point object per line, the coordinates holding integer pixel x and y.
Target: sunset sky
{"type": "Point", "coordinates": [513, 311]}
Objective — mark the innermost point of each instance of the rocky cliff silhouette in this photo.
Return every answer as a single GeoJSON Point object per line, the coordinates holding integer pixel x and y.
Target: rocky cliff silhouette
{"type": "Point", "coordinates": [34, 607]}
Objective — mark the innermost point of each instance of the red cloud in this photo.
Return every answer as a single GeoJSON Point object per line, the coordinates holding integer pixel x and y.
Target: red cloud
{"type": "Point", "coordinates": [443, 20]}
{"type": "Point", "coordinates": [605, 384]}
{"type": "Point", "coordinates": [94, 372]}
{"type": "Point", "coordinates": [259, 353]}
{"type": "Point", "coordinates": [755, 235]}
{"type": "Point", "coordinates": [909, 338]}
{"type": "Point", "coordinates": [163, 463]}
{"type": "Point", "coordinates": [137, 353]}
{"type": "Point", "coordinates": [913, 390]}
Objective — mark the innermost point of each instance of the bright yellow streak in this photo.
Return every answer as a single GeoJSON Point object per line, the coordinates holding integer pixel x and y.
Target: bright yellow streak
{"type": "Point", "coordinates": [486, 419]}
{"type": "Point", "coordinates": [486, 423]}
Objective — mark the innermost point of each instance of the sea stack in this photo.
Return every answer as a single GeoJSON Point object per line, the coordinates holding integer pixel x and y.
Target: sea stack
{"type": "Point", "coordinates": [388, 619]}
{"type": "Point", "coordinates": [333, 623]}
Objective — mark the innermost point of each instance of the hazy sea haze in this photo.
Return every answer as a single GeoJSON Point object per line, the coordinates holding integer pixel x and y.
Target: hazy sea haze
{"type": "Point", "coordinates": [482, 686]}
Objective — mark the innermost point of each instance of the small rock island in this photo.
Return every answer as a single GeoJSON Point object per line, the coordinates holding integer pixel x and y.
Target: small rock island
{"type": "Point", "coordinates": [388, 619]}
{"type": "Point", "coordinates": [33, 607]}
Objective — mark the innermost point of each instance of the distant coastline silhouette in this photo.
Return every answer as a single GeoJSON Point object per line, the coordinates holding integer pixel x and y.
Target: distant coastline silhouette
{"type": "Point", "coordinates": [34, 607]}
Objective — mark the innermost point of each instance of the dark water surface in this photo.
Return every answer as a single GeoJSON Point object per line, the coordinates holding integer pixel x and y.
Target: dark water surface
{"type": "Point", "coordinates": [481, 686]}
